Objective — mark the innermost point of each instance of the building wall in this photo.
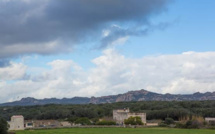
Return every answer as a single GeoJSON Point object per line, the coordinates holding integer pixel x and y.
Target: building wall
{"type": "Point", "coordinates": [29, 124]}
{"type": "Point", "coordinates": [65, 124]}
{"type": "Point", "coordinates": [17, 123]}
{"type": "Point", "coordinates": [46, 123]}
{"type": "Point", "coordinates": [209, 119]}
{"type": "Point", "coordinates": [120, 115]}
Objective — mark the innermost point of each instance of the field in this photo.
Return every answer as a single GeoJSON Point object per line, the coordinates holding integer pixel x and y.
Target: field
{"type": "Point", "coordinates": [118, 131]}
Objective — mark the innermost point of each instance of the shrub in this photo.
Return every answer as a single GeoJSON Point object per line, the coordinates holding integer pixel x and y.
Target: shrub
{"type": "Point", "coordinates": [94, 120]}
{"type": "Point", "coordinates": [104, 122]}
{"type": "Point", "coordinates": [212, 123]}
{"type": "Point", "coordinates": [205, 123]}
{"type": "Point", "coordinates": [162, 124]}
{"type": "Point", "coordinates": [169, 121]}
{"type": "Point", "coordinates": [11, 133]}
{"type": "Point", "coordinates": [133, 121]}
{"type": "Point", "coordinates": [72, 119]}
{"type": "Point", "coordinates": [83, 121]}
{"type": "Point", "coordinates": [194, 124]}
{"type": "Point", "coordinates": [191, 124]}
{"type": "Point", "coordinates": [180, 125]}
{"type": "Point", "coordinates": [188, 124]}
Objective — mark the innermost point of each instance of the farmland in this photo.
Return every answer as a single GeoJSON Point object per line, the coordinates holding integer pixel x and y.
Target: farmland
{"type": "Point", "coordinates": [118, 131]}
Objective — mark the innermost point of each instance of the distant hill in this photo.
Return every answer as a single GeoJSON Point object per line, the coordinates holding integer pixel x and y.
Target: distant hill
{"type": "Point", "coordinates": [140, 95]}
{"type": "Point", "coordinates": [32, 101]}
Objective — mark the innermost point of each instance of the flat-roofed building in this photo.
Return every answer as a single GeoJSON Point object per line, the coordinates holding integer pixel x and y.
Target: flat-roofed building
{"type": "Point", "coordinates": [16, 123]}
{"type": "Point", "coordinates": [210, 120]}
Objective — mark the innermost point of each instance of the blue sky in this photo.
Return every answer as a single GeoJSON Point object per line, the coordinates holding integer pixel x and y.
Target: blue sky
{"type": "Point", "coordinates": [191, 28]}
{"type": "Point", "coordinates": [55, 50]}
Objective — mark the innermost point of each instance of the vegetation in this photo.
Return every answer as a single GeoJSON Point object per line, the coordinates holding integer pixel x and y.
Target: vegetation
{"type": "Point", "coordinates": [105, 122]}
{"type": "Point", "coordinates": [133, 121]}
{"type": "Point", "coordinates": [169, 121]}
{"type": "Point", "coordinates": [118, 131]}
{"type": "Point", "coordinates": [3, 126]}
{"type": "Point", "coordinates": [153, 109]}
{"type": "Point", "coordinates": [83, 121]}
{"type": "Point", "coordinates": [192, 122]}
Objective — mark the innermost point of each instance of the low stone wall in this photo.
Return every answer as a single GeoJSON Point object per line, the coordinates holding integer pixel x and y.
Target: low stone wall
{"type": "Point", "coordinates": [92, 126]}
{"type": "Point", "coordinates": [152, 124]}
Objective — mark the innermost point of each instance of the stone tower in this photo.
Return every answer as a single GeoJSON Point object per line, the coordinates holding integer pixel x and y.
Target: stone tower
{"type": "Point", "coordinates": [17, 122]}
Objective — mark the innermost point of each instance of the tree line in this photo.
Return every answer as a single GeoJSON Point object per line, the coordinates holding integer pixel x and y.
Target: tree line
{"type": "Point", "coordinates": [154, 110]}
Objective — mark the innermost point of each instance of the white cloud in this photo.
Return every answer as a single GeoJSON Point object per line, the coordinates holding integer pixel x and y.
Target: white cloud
{"type": "Point", "coordinates": [13, 72]}
{"type": "Point", "coordinates": [114, 73]}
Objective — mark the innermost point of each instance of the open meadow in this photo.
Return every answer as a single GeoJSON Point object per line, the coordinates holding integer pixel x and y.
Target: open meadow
{"type": "Point", "coordinates": [118, 131]}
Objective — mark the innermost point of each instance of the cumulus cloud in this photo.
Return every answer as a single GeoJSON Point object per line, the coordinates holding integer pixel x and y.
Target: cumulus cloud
{"type": "Point", "coordinates": [13, 71]}
{"type": "Point", "coordinates": [53, 26]}
{"type": "Point", "coordinates": [114, 73]}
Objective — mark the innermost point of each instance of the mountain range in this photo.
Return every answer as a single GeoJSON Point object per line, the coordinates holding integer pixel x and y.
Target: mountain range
{"type": "Point", "coordinates": [139, 95]}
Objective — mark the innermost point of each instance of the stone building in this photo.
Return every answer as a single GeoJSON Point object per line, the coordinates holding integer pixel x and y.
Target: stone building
{"type": "Point", "coordinates": [121, 114]}
{"type": "Point", "coordinates": [28, 124]}
{"type": "Point", "coordinates": [16, 123]}
{"type": "Point", "coordinates": [42, 123]}
{"type": "Point", "coordinates": [210, 120]}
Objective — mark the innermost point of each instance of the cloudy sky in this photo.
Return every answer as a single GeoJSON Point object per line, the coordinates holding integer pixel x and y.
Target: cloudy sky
{"type": "Point", "coordinates": [67, 48]}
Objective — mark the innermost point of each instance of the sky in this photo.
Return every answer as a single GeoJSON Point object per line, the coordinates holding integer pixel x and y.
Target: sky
{"type": "Point", "coordinates": [63, 49]}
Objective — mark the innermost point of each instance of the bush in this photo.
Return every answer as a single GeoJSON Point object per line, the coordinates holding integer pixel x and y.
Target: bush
{"type": "Point", "coordinates": [94, 120]}
{"type": "Point", "coordinates": [169, 121]}
{"type": "Point", "coordinates": [190, 124]}
{"type": "Point", "coordinates": [133, 121]}
{"type": "Point", "coordinates": [83, 121]}
{"type": "Point", "coordinates": [193, 124]}
{"type": "Point", "coordinates": [205, 123]}
{"type": "Point", "coordinates": [212, 123]}
{"type": "Point", "coordinates": [180, 125]}
{"type": "Point", "coordinates": [3, 126]}
{"type": "Point", "coordinates": [72, 119]}
{"type": "Point", "coordinates": [11, 133]}
{"type": "Point", "coordinates": [162, 124]}
{"type": "Point", "coordinates": [104, 122]}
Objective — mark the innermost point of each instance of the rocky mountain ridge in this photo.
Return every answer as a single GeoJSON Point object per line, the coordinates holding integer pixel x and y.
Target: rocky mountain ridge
{"type": "Point", "coordinates": [139, 95]}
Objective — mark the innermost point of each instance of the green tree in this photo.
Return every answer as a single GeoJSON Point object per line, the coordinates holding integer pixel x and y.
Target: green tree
{"type": "Point", "coordinates": [3, 126]}
{"type": "Point", "coordinates": [133, 121]}
{"type": "Point", "coordinates": [83, 121]}
{"type": "Point", "coordinates": [72, 119]}
{"type": "Point", "coordinates": [169, 121]}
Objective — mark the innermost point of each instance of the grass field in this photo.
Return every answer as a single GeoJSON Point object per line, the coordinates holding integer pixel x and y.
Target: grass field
{"type": "Point", "coordinates": [118, 131]}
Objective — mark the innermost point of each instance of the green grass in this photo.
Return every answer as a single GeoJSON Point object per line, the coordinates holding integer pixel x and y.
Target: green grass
{"type": "Point", "coordinates": [118, 131]}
